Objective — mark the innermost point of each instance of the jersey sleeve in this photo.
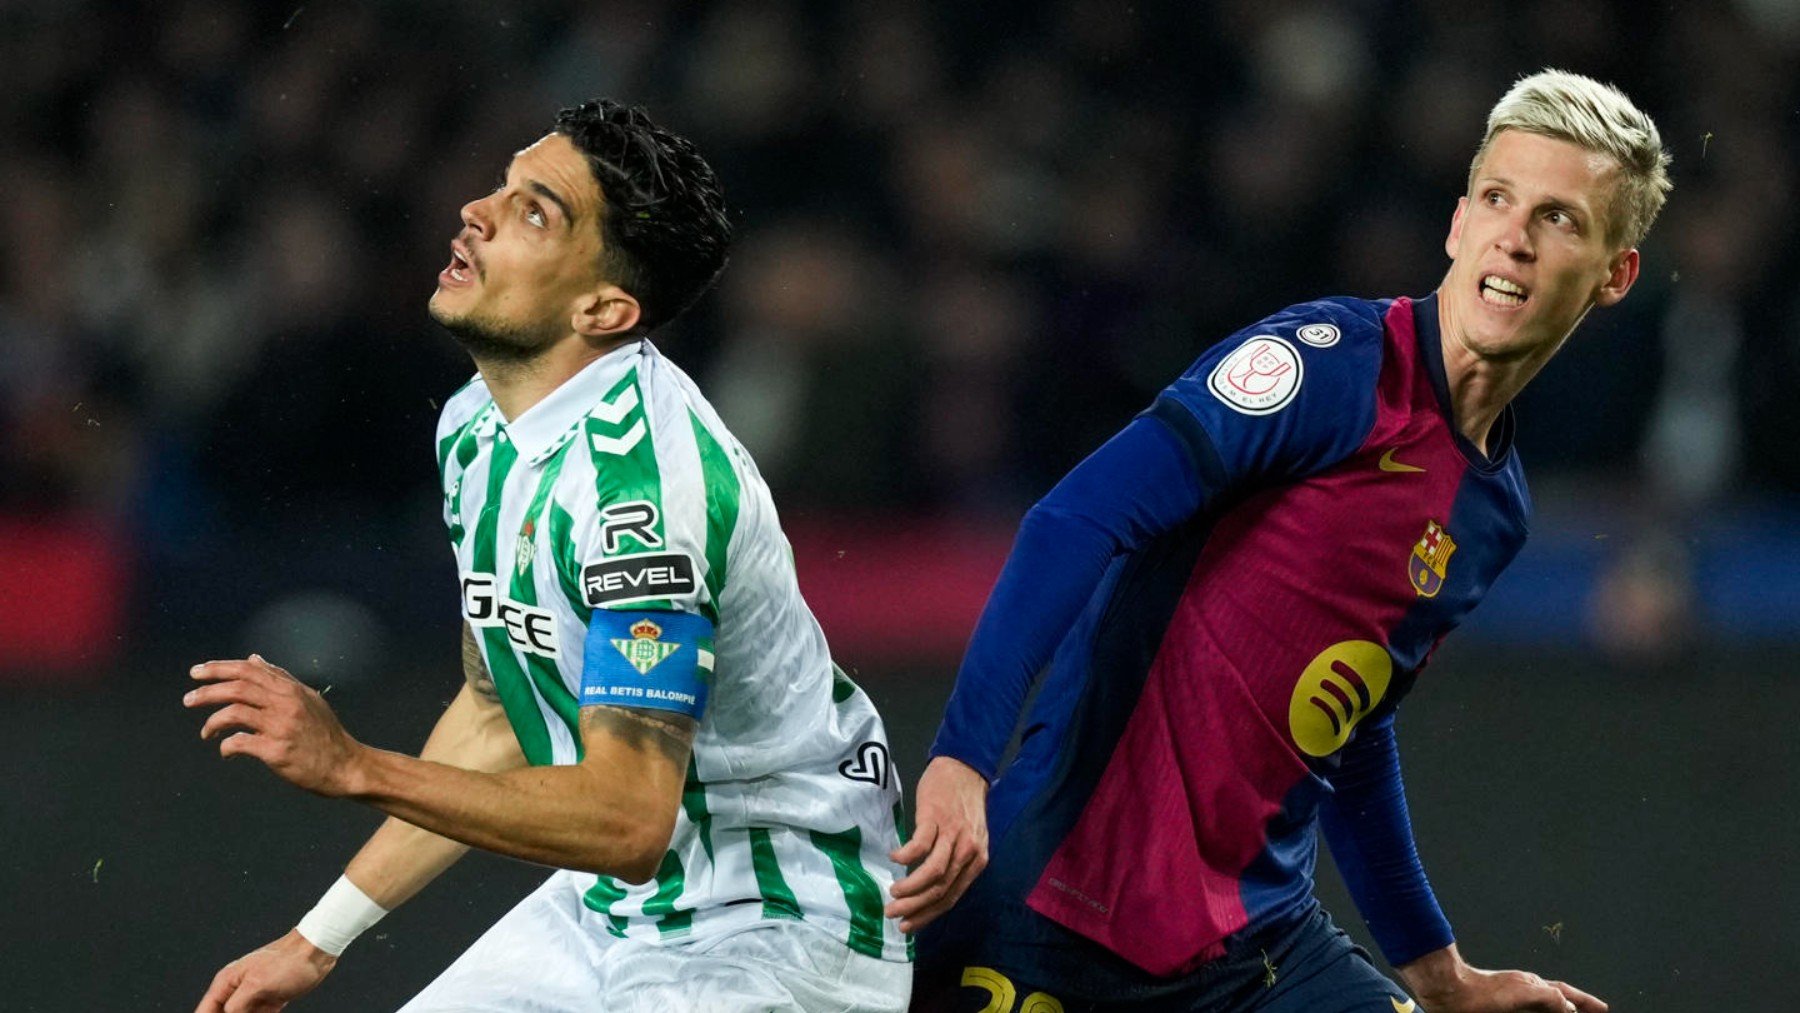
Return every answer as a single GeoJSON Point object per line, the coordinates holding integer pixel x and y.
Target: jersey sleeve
{"type": "Point", "coordinates": [1141, 483]}
{"type": "Point", "coordinates": [1370, 834]}
{"type": "Point", "coordinates": [1286, 397]}
{"type": "Point", "coordinates": [638, 549]}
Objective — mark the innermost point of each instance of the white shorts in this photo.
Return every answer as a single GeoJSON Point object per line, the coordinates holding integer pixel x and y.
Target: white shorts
{"type": "Point", "coordinates": [545, 957]}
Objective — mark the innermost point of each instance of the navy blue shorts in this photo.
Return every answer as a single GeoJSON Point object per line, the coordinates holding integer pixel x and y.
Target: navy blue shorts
{"type": "Point", "coordinates": [970, 961]}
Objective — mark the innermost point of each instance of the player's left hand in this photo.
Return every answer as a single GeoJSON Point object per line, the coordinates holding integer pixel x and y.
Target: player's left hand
{"type": "Point", "coordinates": [270, 715]}
{"type": "Point", "coordinates": [1452, 986]}
{"type": "Point", "coordinates": [949, 842]}
{"type": "Point", "coordinates": [1514, 992]}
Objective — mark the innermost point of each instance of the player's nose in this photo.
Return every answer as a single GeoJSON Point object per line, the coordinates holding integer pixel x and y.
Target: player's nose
{"type": "Point", "coordinates": [1514, 238]}
{"type": "Point", "coordinates": [474, 215]}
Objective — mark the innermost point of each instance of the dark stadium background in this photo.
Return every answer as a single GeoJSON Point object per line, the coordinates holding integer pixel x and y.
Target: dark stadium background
{"type": "Point", "coordinates": [975, 238]}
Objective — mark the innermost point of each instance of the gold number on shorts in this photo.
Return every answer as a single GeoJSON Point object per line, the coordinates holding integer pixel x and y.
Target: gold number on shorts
{"type": "Point", "coordinates": [998, 986]}
{"type": "Point", "coordinates": [1001, 993]}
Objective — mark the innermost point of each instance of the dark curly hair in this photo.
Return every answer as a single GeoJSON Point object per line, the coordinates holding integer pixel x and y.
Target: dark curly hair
{"type": "Point", "coordinates": [662, 221]}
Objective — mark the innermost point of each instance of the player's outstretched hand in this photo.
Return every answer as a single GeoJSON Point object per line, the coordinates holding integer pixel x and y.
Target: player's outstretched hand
{"type": "Point", "coordinates": [1445, 984]}
{"type": "Point", "coordinates": [949, 836]}
{"type": "Point", "coordinates": [269, 978]}
{"type": "Point", "coordinates": [266, 713]}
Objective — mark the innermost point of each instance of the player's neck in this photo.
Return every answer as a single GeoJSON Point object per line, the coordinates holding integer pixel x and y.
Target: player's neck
{"type": "Point", "coordinates": [1481, 386]}
{"type": "Point", "coordinates": [518, 384]}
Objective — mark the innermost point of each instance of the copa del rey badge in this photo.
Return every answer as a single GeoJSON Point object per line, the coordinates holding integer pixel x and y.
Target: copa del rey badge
{"type": "Point", "coordinates": [644, 650]}
{"type": "Point", "coordinates": [1430, 559]}
{"type": "Point", "coordinates": [1259, 378]}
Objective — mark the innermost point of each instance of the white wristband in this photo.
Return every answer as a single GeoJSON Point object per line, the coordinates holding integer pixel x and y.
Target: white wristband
{"type": "Point", "coordinates": [344, 913]}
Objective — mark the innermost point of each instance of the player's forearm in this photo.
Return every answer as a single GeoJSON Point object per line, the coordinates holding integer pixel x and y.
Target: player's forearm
{"type": "Point", "coordinates": [569, 817]}
{"type": "Point", "coordinates": [400, 859]}
{"type": "Point", "coordinates": [1367, 824]}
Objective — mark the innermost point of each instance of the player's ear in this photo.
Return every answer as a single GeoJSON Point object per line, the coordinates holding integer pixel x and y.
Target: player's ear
{"type": "Point", "coordinates": [605, 312]}
{"type": "Point", "coordinates": [1456, 224]}
{"type": "Point", "coordinates": [1623, 274]}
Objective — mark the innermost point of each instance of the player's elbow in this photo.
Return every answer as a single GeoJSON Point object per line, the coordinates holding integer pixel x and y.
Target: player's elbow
{"type": "Point", "coordinates": [639, 861]}
{"type": "Point", "coordinates": [638, 850]}
{"type": "Point", "coordinates": [638, 869]}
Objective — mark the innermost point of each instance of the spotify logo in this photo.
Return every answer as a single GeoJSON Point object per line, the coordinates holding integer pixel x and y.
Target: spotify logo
{"type": "Point", "coordinates": [1338, 688]}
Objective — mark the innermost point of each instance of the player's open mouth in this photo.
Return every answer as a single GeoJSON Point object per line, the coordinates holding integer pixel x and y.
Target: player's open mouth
{"type": "Point", "coordinates": [461, 271]}
{"type": "Point", "coordinates": [1497, 291]}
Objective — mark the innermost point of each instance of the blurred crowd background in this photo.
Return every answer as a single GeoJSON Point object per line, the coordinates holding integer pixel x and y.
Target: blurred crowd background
{"type": "Point", "coordinates": [974, 239]}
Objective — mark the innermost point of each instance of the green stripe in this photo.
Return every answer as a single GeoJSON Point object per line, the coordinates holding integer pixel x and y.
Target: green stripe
{"type": "Point", "coordinates": [465, 452]}
{"type": "Point", "coordinates": [671, 879]}
{"type": "Point", "coordinates": [568, 567]}
{"type": "Point", "coordinates": [841, 687]}
{"type": "Point", "coordinates": [544, 673]}
{"type": "Point", "coordinates": [633, 475]}
{"type": "Point", "coordinates": [693, 800]}
{"type": "Point", "coordinates": [778, 899]}
{"type": "Point", "coordinates": [601, 897]}
{"type": "Point", "coordinates": [509, 679]}
{"type": "Point", "coordinates": [722, 492]}
{"type": "Point", "coordinates": [861, 893]}
{"type": "Point", "coordinates": [444, 445]}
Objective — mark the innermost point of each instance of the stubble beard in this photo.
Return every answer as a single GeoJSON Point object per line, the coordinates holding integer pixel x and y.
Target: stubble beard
{"type": "Point", "coordinates": [491, 341]}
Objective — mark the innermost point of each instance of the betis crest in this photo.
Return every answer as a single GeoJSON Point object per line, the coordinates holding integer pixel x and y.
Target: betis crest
{"type": "Point", "coordinates": [526, 548]}
{"type": "Point", "coordinates": [1430, 559]}
{"type": "Point", "coordinates": [644, 650]}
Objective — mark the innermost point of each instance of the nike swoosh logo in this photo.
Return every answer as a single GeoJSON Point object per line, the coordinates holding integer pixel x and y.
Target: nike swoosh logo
{"type": "Point", "coordinates": [1389, 464]}
{"type": "Point", "coordinates": [1407, 1006]}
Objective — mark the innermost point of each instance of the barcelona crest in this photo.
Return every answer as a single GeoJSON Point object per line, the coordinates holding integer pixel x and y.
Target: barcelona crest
{"type": "Point", "coordinates": [644, 650]}
{"type": "Point", "coordinates": [1430, 559]}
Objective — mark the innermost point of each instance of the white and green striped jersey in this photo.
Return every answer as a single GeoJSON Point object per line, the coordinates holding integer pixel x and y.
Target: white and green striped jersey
{"type": "Point", "coordinates": [620, 484]}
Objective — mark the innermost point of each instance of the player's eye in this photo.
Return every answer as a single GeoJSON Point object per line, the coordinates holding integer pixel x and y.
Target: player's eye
{"type": "Point", "coordinates": [535, 215]}
{"type": "Point", "coordinates": [1493, 198]}
{"type": "Point", "coordinates": [1561, 219]}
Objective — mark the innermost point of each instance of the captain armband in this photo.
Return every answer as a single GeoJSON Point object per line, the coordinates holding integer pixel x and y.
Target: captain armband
{"type": "Point", "coordinates": [659, 660]}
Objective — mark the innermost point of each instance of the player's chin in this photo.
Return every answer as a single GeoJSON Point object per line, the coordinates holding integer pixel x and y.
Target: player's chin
{"type": "Point", "coordinates": [453, 310]}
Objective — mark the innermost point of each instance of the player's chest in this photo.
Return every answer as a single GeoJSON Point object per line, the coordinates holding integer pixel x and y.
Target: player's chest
{"type": "Point", "coordinates": [499, 510]}
{"type": "Point", "coordinates": [1394, 544]}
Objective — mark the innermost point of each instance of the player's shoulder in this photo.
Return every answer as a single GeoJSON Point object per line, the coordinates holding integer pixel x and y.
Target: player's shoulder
{"type": "Point", "coordinates": [1337, 333]}
{"type": "Point", "coordinates": [1288, 394]}
{"type": "Point", "coordinates": [1345, 322]}
{"type": "Point", "coordinates": [1325, 353]}
{"type": "Point", "coordinates": [468, 401]}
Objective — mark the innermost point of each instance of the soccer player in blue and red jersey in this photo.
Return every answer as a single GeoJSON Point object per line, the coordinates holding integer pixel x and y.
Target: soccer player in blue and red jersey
{"type": "Point", "coordinates": [1230, 598]}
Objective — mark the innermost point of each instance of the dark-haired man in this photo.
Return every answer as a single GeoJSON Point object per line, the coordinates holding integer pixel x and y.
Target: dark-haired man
{"type": "Point", "coordinates": [1232, 596]}
{"type": "Point", "coordinates": [649, 707]}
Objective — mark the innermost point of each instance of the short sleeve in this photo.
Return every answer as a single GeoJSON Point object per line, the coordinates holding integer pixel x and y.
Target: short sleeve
{"type": "Point", "coordinates": [1285, 397]}
{"type": "Point", "coordinates": [640, 514]}
{"type": "Point", "coordinates": [637, 544]}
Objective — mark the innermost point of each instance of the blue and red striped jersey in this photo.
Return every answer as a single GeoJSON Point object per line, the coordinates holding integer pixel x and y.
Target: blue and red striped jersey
{"type": "Point", "coordinates": [1227, 602]}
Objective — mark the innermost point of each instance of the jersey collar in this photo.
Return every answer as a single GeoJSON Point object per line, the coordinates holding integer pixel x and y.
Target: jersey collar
{"type": "Point", "coordinates": [546, 426]}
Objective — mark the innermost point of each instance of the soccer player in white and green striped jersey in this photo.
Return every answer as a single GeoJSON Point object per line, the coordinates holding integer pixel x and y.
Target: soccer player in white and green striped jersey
{"type": "Point", "coordinates": [649, 706]}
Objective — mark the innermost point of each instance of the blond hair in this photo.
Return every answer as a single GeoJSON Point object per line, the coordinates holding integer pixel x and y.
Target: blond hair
{"type": "Point", "coordinates": [1598, 117]}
